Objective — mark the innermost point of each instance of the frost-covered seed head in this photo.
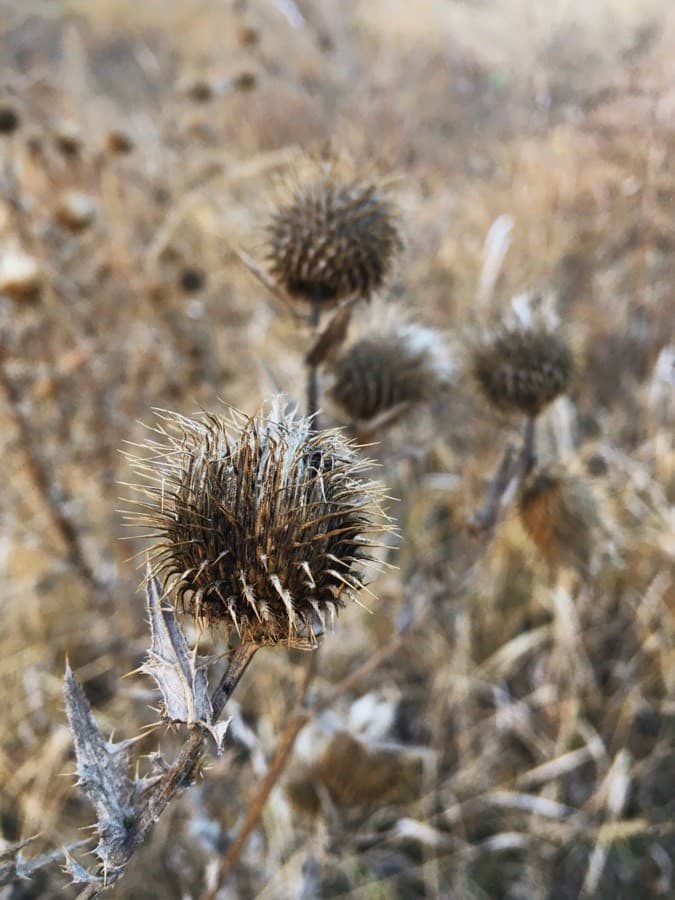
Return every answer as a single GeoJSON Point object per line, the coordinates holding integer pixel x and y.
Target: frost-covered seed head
{"type": "Point", "coordinates": [260, 523]}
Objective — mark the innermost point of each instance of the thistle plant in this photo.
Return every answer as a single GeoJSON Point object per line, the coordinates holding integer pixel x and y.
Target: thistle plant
{"type": "Point", "coordinates": [260, 530]}
{"type": "Point", "coordinates": [520, 368]}
{"type": "Point", "coordinates": [333, 239]}
{"type": "Point", "coordinates": [261, 527]}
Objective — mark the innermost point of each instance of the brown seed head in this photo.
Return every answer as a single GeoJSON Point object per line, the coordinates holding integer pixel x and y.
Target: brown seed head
{"type": "Point", "coordinates": [119, 142]}
{"type": "Point", "coordinates": [522, 369]}
{"type": "Point", "coordinates": [9, 119]}
{"type": "Point", "coordinates": [562, 516]}
{"type": "Point", "coordinates": [263, 530]}
{"type": "Point", "coordinates": [403, 364]}
{"type": "Point", "coordinates": [334, 239]}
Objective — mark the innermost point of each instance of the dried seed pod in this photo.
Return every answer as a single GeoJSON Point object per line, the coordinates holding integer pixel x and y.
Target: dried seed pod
{"type": "Point", "coordinates": [68, 138]}
{"type": "Point", "coordinates": [264, 531]}
{"type": "Point", "coordinates": [119, 142]}
{"type": "Point", "coordinates": [9, 118]}
{"type": "Point", "coordinates": [522, 369]}
{"type": "Point", "coordinates": [333, 239]}
{"type": "Point", "coordinates": [76, 211]}
{"type": "Point", "coordinates": [401, 365]}
{"type": "Point", "coordinates": [562, 516]}
{"type": "Point", "coordinates": [20, 274]}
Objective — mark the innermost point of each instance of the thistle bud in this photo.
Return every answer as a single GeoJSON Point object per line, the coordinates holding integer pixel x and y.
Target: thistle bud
{"type": "Point", "coordinates": [262, 527]}
{"type": "Point", "coordinates": [522, 369]}
{"type": "Point", "coordinates": [398, 366]}
{"type": "Point", "coordinates": [334, 238]}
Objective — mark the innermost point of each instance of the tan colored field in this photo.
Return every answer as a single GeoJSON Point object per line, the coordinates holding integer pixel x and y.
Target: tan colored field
{"type": "Point", "coordinates": [517, 738]}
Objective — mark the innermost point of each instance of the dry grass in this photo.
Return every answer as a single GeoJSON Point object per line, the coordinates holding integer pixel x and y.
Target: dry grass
{"type": "Point", "coordinates": [519, 743]}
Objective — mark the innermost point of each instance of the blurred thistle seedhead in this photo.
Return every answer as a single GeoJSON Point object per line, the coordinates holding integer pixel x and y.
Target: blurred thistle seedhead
{"type": "Point", "coordinates": [563, 516]}
{"type": "Point", "coordinates": [394, 364]}
{"type": "Point", "coordinates": [10, 119]}
{"type": "Point", "coordinates": [334, 236]}
{"type": "Point", "coordinates": [522, 369]}
{"type": "Point", "coordinates": [261, 524]}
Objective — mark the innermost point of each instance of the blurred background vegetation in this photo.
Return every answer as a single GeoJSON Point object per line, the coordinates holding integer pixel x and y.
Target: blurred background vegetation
{"type": "Point", "coordinates": [519, 742]}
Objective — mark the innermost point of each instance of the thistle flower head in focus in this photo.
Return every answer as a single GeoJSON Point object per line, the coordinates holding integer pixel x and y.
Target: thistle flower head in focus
{"type": "Point", "coordinates": [261, 523]}
{"type": "Point", "coordinates": [522, 368]}
{"type": "Point", "coordinates": [332, 237]}
{"type": "Point", "coordinates": [394, 364]}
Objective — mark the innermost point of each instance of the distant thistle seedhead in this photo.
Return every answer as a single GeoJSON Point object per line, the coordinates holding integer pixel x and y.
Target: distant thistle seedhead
{"type": "Point", "coordinates": [562, 516]}
{"type": "Point", "coordinates": [398, 364]}
{"type": "Point", "coordinates": [260, 523]}
{"type": "Point", "coordinates": [10, 119]}
{"type": "Point", "coordinates": [333, 238]}
{"type": "Point", "coordinates": [522, 369]}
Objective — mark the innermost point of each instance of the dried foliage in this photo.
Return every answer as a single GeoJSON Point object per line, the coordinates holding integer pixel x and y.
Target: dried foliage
{"type": "Point", "coordinates": [501, 724]}
{"type": "Point", "coordinates": [564, 518]}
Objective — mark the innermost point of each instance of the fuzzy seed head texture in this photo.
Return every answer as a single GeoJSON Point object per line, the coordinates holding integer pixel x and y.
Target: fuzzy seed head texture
{"type": "Point", "coordinates": [260, 524]}
{"type": "Point", "coordinates": [562, 517]}
{"type": "Point", "coordinates": [9, 119]}
{"type": "Point", "coordinates": [334, 238]}
{"type": "Point", "coordinates": [522, 369]}
{"type": "Point", "coordinates": [405, 363]}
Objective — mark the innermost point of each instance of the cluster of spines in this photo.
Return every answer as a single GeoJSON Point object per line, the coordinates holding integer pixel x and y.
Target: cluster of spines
{"type": "Point", "coordinates": [522, 369]}
{"type": "Point", "coordinates": [402, 365]}
{"type": "Point", "coordinates": [334, 238]}
{"type": "Point", "coordinates": [265, 532]}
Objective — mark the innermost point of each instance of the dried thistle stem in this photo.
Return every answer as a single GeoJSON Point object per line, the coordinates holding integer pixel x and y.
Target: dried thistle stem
{"type": "Point", "coordinates": [503, 486]}
{"type": "Point", "coordinates": [302, 716]}
{"type": "Point", "coordinates": [312, 369]}
{"type": "Point", "coordinates": [240, 658]}
{"type": "Point", "coordinates": [181, 772]}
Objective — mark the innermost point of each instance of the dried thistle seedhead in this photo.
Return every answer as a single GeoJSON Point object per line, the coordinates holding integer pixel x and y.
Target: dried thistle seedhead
{"type": "Point", "coordinates": [562, 516]}
{"type": "Point", "coordinates": [398, 364]}
{"type": "Point", "coordinates": [10, 119]}
{"type": "Point", "coordinates": [522, 369]}
{"type": "Point", "coordinates": [335, 237]}
{"type": "Point", "coordinates": [261, 524]}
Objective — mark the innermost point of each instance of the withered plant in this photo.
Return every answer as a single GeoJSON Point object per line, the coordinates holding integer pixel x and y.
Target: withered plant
{"type": "Point", "coordinates": [502, 723]}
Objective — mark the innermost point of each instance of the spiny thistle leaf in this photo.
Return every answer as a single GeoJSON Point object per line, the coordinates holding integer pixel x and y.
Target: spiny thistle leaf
{"type": "Point", "coordinates": [175, 668]}
{"type": "Point", "coordinates": [13, 866]}
{"type": "Point", "coordinates": [102, 770]}
{"type": "Point", "coordinates": [79, 874]}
